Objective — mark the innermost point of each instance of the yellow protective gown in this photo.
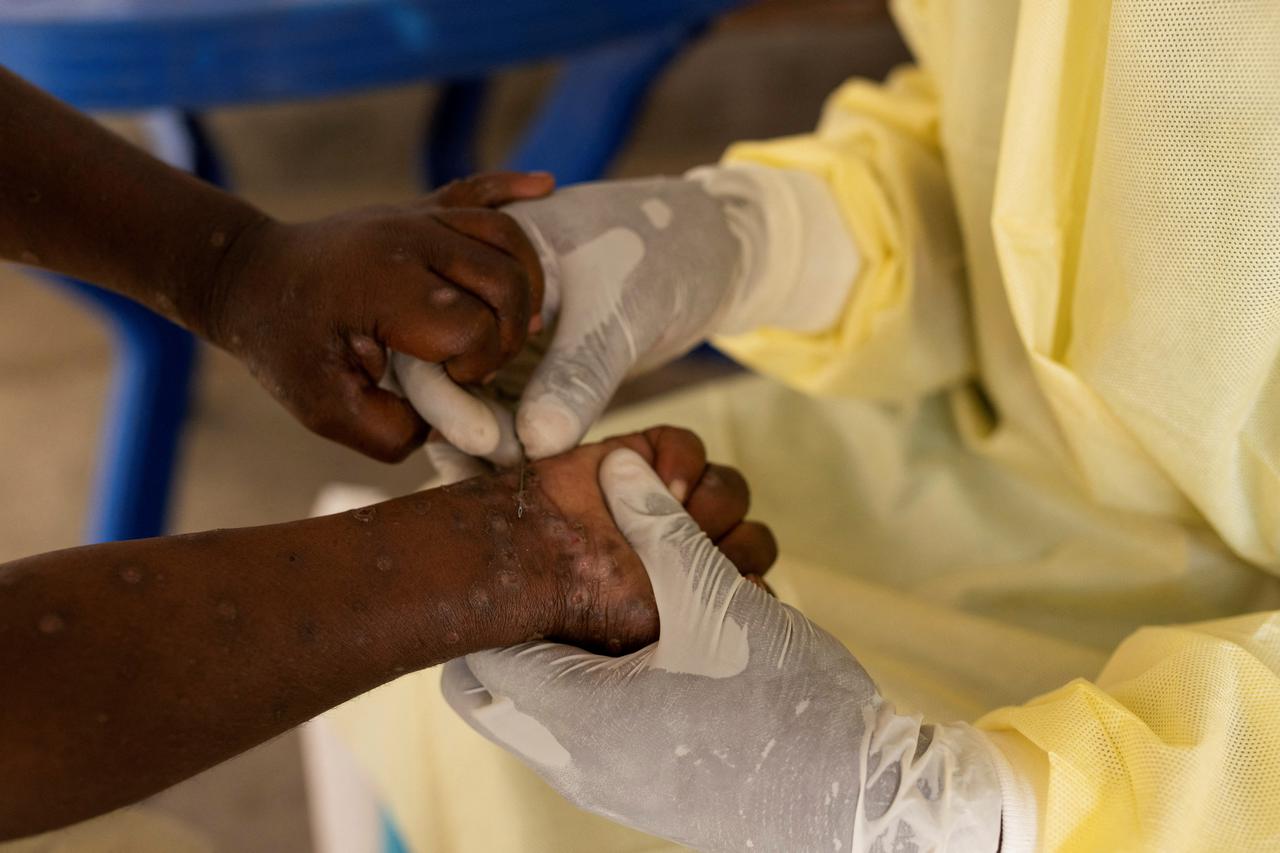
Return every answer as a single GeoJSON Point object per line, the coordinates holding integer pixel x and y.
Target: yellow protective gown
{"type": "Point", "coordinates": [990, 530]}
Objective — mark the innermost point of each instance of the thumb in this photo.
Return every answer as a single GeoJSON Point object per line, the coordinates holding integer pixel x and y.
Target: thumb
{"type": "Point", "coordinates": [694, 584]}
{"type": "Point", "coordinates": [589, 356]}
{"type": "Point", "coordinates": [475, 425]}
{"type": "Point", "coordinates": [450, 464]}
{"type": "Point", "coordinates": [593, 347]}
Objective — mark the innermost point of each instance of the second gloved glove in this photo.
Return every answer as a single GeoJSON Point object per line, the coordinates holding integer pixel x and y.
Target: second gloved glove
{"type": "Point", "coordinates": [640, 272]}
{"type": "Point", "coordinates": [744, 727]}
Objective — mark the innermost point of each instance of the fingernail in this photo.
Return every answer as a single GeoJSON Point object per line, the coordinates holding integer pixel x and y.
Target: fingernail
{"type": "Point", "coordinates": [492, 376]}
{"type": "Point", "coordinates": [679, 489]}
{"type": "Point", "coordinates": [535, 324]}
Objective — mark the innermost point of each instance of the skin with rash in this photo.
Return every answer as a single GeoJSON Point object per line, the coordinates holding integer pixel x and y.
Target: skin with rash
{"type": "Point", "coordinates": [132, 665]}
{"type": "Point", "coordinates": [310, 307]}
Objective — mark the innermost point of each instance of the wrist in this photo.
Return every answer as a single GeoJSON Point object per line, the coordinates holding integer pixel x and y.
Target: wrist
{"type": "Point", "coordinates": [210, 307]}
{"type": "Point", "coordinates": [797, 261]}
{"type": "Point", "coordinates": [482, 575]}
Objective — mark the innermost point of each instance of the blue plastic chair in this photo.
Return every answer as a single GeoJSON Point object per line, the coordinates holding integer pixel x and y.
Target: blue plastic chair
{"type": "Point", "coordinates": [193, 55]}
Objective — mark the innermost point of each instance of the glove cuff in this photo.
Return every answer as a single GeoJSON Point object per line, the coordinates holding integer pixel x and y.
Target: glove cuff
{"type": "Point", "coordinates": [946, 785]}
{"type": "Point", "coordinates": [1020, 768]}
{"type": "Point", "coordinates": [798, 259]}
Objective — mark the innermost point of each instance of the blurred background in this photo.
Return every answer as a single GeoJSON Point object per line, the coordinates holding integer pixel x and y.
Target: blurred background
{"type": "Point", "coordinates": [760, 72]}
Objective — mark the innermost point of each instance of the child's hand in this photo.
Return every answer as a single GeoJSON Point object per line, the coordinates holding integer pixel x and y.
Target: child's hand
{"type": "Point", "coordinates": [570, 574]}
{"type": "Point", "coordinates": [312, 308]}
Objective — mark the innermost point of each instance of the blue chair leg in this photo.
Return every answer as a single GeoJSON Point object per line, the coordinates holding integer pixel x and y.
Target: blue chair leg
{"type": "Point", "coordinates": [150, 384]}
{"type": "Point", "coordinates": [591, 110]}
{"type": "Point", "coordinates": [392, 842]}
{"type": "Point", "coordinates": [450, 152]}
{"type": "Point", "coordinates": [204, 159]}
{"type": "Point", "coordinates": [150, 390]}
{"type": "Point", "coordinates": [581, 126]}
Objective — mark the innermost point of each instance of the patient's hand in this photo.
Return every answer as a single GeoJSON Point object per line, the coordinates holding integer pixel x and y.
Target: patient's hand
{"type": "Point", "coordinates": [586, 586]}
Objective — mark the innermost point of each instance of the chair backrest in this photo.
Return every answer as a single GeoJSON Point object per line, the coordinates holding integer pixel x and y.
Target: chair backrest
{"type": "Point", "coordinates": [135, 54]}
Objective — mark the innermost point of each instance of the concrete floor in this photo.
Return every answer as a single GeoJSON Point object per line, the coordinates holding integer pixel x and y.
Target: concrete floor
{"type": "Point", "coordinates": [244, 460]}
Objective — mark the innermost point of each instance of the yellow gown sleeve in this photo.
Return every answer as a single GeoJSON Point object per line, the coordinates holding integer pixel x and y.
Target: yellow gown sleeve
{"type": "Point", "coordinates": [1175, 747]}
{"type": "Point", "coordinates": [904, 331]}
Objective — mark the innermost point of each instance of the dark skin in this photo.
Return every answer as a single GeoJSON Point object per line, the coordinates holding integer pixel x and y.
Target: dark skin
{"type": "Point", "coordinates": [132, 665]}
{"type": "Point", "coordinates": [309, 307]}
{"type": "Point", "coordinates": [129, 666]}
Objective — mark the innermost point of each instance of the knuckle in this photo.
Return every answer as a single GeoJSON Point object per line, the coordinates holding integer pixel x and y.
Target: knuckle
{"type": "Point", "coordinates": [480, 356]}
{"type": "Point", "coordinates": [507, 232]}
{"type": "Point", "coordinates": [513, 302]}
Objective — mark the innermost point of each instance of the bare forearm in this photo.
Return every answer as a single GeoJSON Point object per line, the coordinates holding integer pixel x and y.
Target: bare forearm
{"type": "Point", "coordinates": [130, 666]}
{"type": "Point", "coordinates": [77, 199]}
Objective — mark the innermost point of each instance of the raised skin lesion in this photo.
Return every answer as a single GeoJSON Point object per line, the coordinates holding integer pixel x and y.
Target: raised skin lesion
{"type": "Point", "coordinates": [551, 535]}
{"type": "Point", "coordinates": [553, 564]}
{"type": "Point", "coordinates": [610, 606]}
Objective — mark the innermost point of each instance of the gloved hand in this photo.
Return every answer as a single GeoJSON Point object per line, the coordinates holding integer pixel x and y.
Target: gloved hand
{"type": "Point", "coordinates": [637, 273]}
{"type": "Point", "coordinates": [744, 727]}
{"type": "Point", "coordinates": [312, 307]}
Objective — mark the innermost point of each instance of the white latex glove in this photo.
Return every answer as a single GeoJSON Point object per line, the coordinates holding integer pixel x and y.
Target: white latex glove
{"type": "Point", "coordinates": [639, 272]}
{"type": "Point", "coordinates": [745, 726]}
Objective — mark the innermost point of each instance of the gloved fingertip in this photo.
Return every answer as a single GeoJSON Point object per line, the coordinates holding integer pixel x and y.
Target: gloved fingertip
{"type": "Point", "coordinates": [475, 437]}
{"type": "Point", "coordinates": [505, 455]}
{"type": "Point", "coordinates": [451, 464]}
{"type": "Point", "coordinates": [623, 467]}
{"type": "Point", "coordinates": [633, 490]}
{"type": "Point", "coordinates": [462, 690]}
{"type": "Point", "coordinates": [460, 416]}
{"type": "Point", "coordinates": [507, 451]}
{"type": "Point", "coordinates": [545, 428]}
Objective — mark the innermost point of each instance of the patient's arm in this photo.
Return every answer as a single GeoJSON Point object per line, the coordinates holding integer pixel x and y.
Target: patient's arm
{"type": "Point", "coordinates": [309, 307]}
{"type": "Point", "coordinates": [128, 666]}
